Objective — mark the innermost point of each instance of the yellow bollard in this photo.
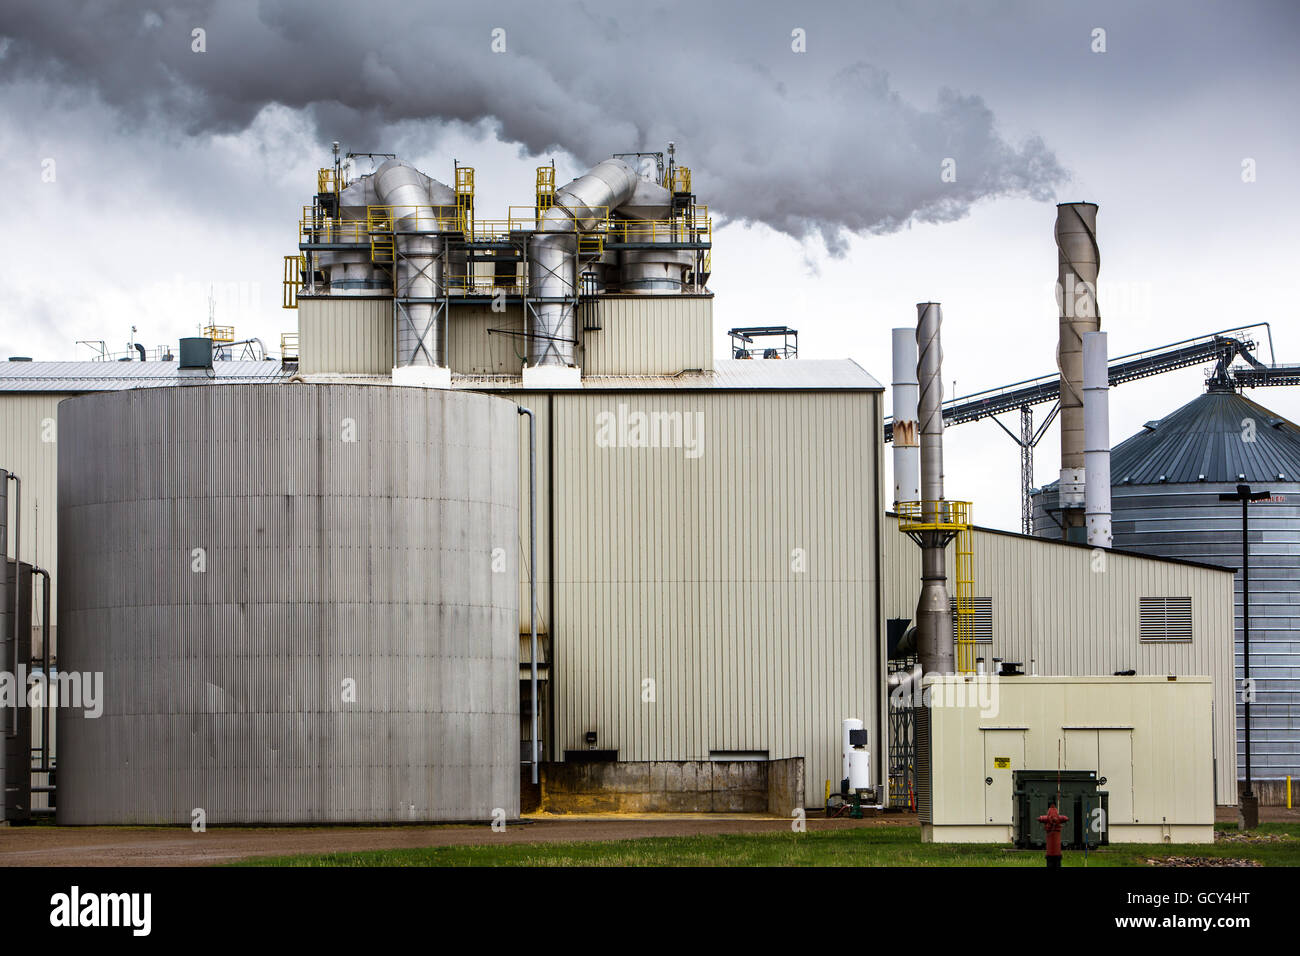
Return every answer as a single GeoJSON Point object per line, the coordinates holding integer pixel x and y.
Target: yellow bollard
{"type": "Point", "coordinates": [1288, 791]}
{"type": "Point", "coordinates": [828, 792]}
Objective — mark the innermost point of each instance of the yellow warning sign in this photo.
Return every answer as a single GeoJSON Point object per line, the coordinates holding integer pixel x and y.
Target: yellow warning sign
{"type": "Point", "coordinates": [1002, 763]}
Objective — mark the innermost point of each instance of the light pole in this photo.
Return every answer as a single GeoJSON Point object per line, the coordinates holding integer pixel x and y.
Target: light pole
{"type": "Point", "coordinates": [1249, 802]}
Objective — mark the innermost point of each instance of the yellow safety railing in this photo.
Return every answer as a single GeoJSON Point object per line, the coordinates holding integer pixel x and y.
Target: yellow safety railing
{"type": "Point", "coordinates": [545, 187]}
{"type": "Point", "coordinates": [933, 515]}
{"type": "Point", "coordinates": [465, 199]}
{"type": "Point", "coordinates": [220, 333]}
{"type": "Point", "coordinates": [951, 517]}
{"type": "Point", "coordinates": [681, 179]}
{"type": "Point", "coordinates": [379, 229]}
{"type": "Point", "coordinates": [965, 603]}
{"type": "Point", "coordinates": [313, 228]}
{"type": "Point", "coordinates": [592, 219]}
{"type": "Point", "coordinates": [288, 345]}
{"type": "Point", "coordinates": [327, 182]}
{"type": "Point", "coordinates": [293, 280]}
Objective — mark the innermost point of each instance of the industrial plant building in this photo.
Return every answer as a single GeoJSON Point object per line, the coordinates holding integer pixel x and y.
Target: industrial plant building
{"type": "Point", "coordinates": [1166, 483]}
{"type": "Point", "coordinates": [718, 576]}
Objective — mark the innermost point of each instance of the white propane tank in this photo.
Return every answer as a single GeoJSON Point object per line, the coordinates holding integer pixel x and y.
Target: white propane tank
{"type": "Point", "coordinates": [857, 760]}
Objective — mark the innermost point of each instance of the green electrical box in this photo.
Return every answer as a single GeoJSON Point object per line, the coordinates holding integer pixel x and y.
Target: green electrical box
{"type": "Point", "coordinates": [1075, 793]}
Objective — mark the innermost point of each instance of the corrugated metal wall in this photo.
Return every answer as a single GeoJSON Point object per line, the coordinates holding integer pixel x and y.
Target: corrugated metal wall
{"type": "Point", "coordinates": [1052, 608]}
{"type": "Point", "coordinates": [1189, 521]}
{"type": "Point", "coordinates": [29, 449]}
{"type": "Point", "coordinates": [363, 533]}
{"type": "Point", "coordinates": [742, 582]}
{"type": "Point", "coordinates": [647, 335]}
{"type": "Point", "coordinates": [639, 335]}
{"type": "Point", "coordinates": [345, 335]}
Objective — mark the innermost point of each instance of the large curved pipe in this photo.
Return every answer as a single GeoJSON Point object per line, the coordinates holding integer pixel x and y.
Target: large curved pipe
{"type": "Point", "coordinates": [579, 207]}
{"type": "Point", "coordinates": [417, 332]}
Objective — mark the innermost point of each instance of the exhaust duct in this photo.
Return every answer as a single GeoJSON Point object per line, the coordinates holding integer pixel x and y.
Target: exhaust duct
{"type": "Point", "coordinates": [417, 202]}
{"type": "Point", "coordinates": [907, 450]}
{"type": "Point", "coordinates": [1096, 439]}
{"type": "Point", "coordinates": [552, 258]}
{"type": "Point", "coordinates": [934, 638]}
{"type": "Point", "coordinates": [1078, 262]}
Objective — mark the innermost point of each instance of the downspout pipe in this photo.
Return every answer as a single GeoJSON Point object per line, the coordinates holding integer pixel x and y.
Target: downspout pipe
{"type": "Point", "coordinates": [933, 611]}
{"type": "Point", "coordinates": [1096, 436]}
{"type": "Point", "coordinates": [18, 537]}
{"type": "Point", "coordinates": [579, 207]}
{"type": "Point", "coordinates": [532, 580]}
{"type": "Point", "coordinates": [46, 657]}
{"type": "Point", "coordinates": [1078, 263]}
{"type": "Point", "coordinates": [907, 448]}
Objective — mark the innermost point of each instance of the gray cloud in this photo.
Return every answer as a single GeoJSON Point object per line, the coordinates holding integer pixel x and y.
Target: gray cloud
{"type": "Point", "coordinates": [784, 139]}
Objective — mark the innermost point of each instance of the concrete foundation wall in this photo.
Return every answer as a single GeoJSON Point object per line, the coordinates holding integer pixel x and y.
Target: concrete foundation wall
{"type": "Point", "coordinates": [673, 786]}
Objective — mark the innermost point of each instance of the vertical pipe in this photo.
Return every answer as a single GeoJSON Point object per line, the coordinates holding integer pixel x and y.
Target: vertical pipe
{"type": "Point", "coordinates": [1096, 439]}
{"type": "Point", "coordinates": [532, 576]}
{"type": "Point", "coordinates": [46, 657]}
{"type": "Point", "coordinates": [1078, 262]}
{"type": "Point", "coordinates": [907, 450]}
{"type": "Point", "coordinates": [18, 536]}
{"type": "Point", "coordinates": [933, 611]}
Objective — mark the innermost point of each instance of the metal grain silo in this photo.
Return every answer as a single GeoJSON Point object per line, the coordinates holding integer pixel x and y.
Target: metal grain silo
{"type": "Point", "coordinates": [1165, 487]}
{"type": "Point", "coordinates": [303, 600]}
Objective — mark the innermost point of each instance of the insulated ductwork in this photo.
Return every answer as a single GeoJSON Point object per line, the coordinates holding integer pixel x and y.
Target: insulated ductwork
{"type": "Point", "coordinates": [649, 270]}
{"type": "Point", "coordinates": [907, 449]}
{"type": "Point", "coordinates": [579, 207]}
{"type": "Point", "coordinates": [416, 202]}
{"type": "Point", "coordinates": [933, 611]}
{"type": "Point", "coordinates": [351, 271]}
{"type": "Point", "coordinates": [1096, 438]}
{"type": "Point", "coordinates": [1078, 262]}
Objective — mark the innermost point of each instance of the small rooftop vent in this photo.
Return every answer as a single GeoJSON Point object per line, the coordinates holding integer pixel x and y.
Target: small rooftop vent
{"type": "Point", "coordinates": [20, 358]}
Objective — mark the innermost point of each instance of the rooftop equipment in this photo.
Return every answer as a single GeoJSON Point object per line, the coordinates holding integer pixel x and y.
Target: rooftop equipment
{"type": "Point", "coordinates": [744, 346]}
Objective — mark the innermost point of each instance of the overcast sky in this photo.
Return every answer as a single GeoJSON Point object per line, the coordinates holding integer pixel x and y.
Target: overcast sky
{"type": "Point", "coordinates": [142, 173]}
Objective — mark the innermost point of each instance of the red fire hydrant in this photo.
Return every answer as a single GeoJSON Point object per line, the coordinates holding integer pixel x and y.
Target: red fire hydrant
{"type": "Point", "coordinates": [1052, 823]}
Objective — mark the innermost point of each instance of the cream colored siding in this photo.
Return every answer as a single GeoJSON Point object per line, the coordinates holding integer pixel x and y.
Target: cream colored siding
{"type": "Point", "coordinates": [648, 335]}
{"type": "Point", "coordinates": [29, 449]}
{"type": "Point", "coordinates": [639, 335]}
{"type": "Point", "coordinates": [345, 335]}
{"type": "Point", "coordinates": [1150, 740]}
{"type": "Point", "coordinates": [473, 349]}
{"type": "Point", "coordinates": [1056, 609]}
{"type": "Point", "coordinates": [680, 571]}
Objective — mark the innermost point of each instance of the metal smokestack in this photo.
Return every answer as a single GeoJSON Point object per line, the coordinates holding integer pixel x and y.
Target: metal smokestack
{"type": "Point", "coordinates": [933, 611]}
{"type": "Point", "coordinates": [1096, 439]}
{"type": "Point", "coordinates": [1078, 262]}
{"type": "Point", "coordinates": [907, 450]}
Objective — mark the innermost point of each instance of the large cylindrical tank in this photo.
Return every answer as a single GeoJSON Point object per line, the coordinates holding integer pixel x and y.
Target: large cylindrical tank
{"type": "Point", "coordinates": [1165, 487]}
{"type": "Point", "coordinates": [303, 600]}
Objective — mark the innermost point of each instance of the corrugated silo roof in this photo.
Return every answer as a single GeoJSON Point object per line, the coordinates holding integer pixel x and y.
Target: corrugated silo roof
{"type": "Point", "coordinates": [1207, 440]}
